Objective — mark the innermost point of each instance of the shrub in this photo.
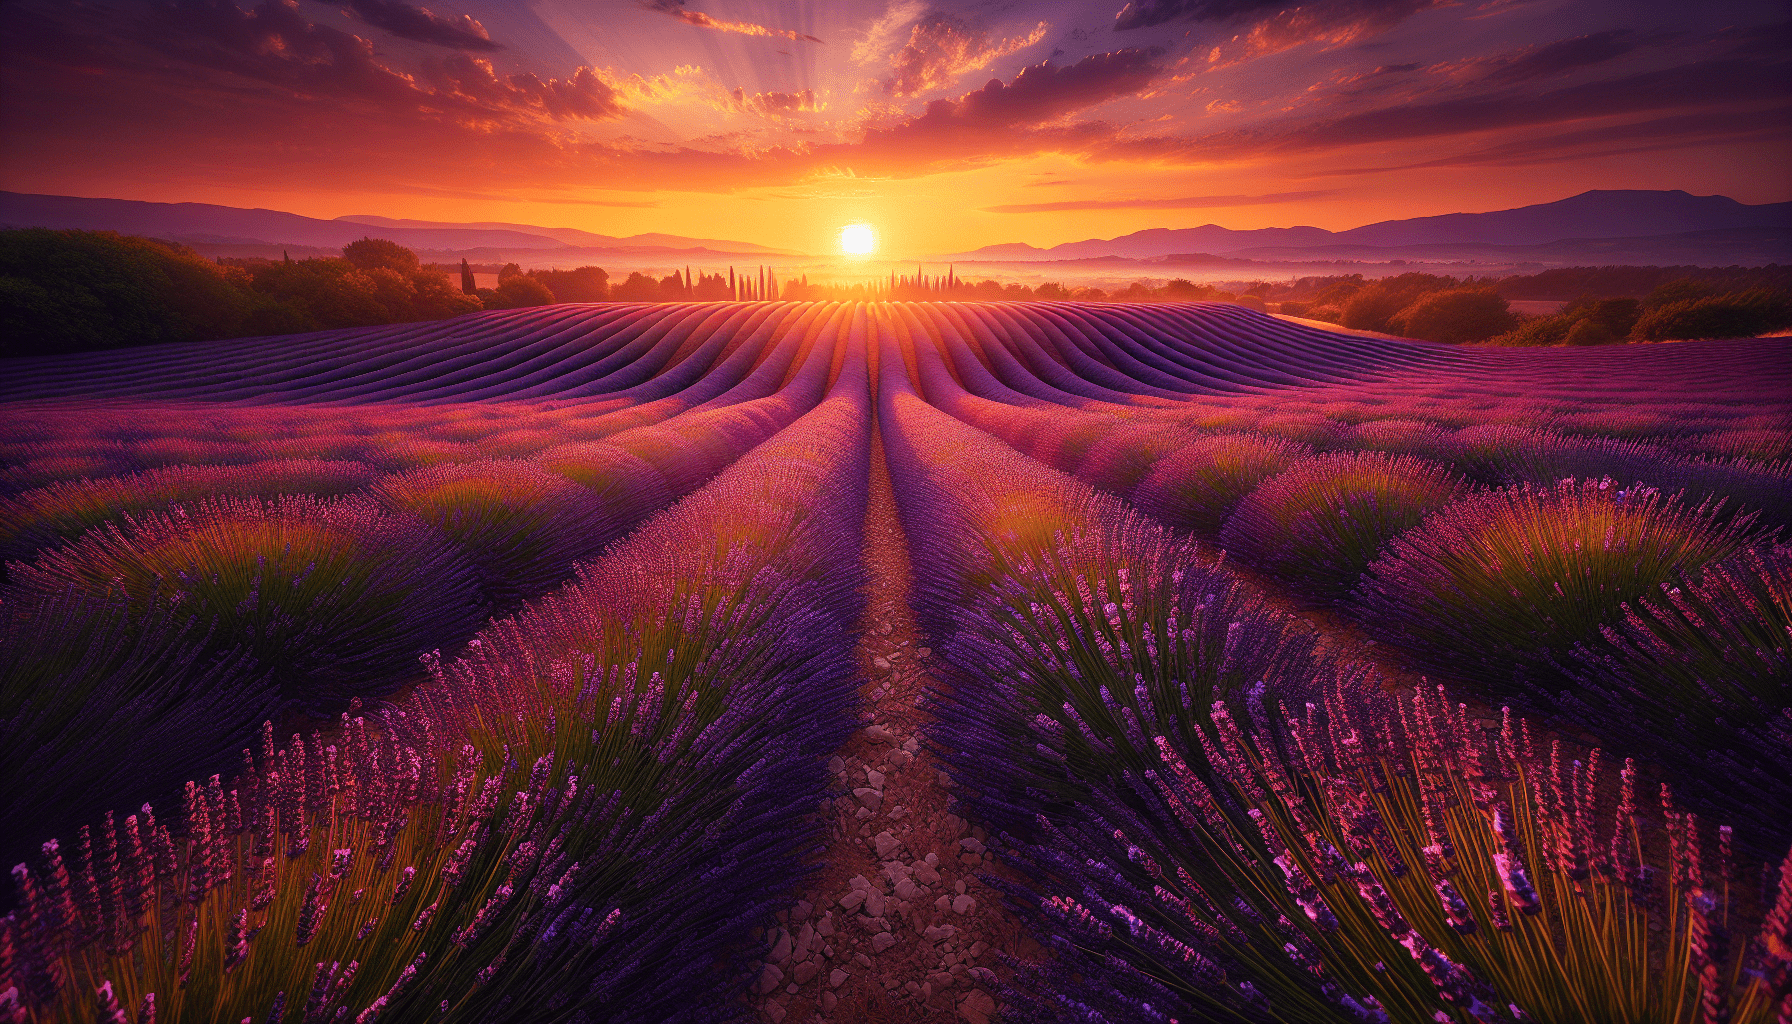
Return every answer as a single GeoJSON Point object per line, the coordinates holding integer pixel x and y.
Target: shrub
{"type": "Point", "coordinates": [104, 705]}
{"type": "Point", "coordinates": [378, 253]}
{"type": "Point", "coordinates": [521, 527]}
{"type": "Point", "coordinates": [1589, 332]}
{"type": "Point", "coordinates": [1195, 489]}
{"type": "Point", "coordinates": [73, 291]}
{"type": "Point", "coordinates": [1696, 675]}
{"type": "Point", "coordinates": [582, 284]}
{"type": "Point", "coordinates": [1318, 524]}
{"type": "Point", "coordinates": [1495, 585]}
{"type": "Point", "coordinates": [1454, 316]}
{"type": "Point", "coordinates": [1618, 316]}
{"type": "Point", "coordinates": [333, 597]}
{"type": "Point", "coordinates": [586, 813]}
{"type": "Point", "coordinates": [1374, 305]}
{"type": "Point", "coordinates": [1734, 315]}
{"type": "Point", "coordinates": [1407, 437]}
{"type": "Point", "coordinates": [1362, 860]}
{"type": "Point", "coordinates": [1122, 457]}
{"type": "Point", "coordinates": [521, 292]}
{"type": "Point", "coordinates": [1682, 289]}
{"type": "Point", "coordinates": [65, 510]}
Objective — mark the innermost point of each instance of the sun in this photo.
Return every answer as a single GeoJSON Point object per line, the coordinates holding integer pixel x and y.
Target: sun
{"type": "Point", "coordinates": [857, 239]}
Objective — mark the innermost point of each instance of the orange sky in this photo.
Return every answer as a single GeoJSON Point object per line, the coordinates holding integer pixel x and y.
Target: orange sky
{"type": "Point", "coordinates": [947, 126]}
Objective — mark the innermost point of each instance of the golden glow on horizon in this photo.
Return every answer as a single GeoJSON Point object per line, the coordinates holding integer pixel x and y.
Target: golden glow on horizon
{"type": "Point", "coordinates": [857, 240]}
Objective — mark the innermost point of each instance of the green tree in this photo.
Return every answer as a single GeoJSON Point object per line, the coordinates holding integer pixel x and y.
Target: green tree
{"type": "Point", "coordinates": [1454, 316]}
{"type": "Point", "coordinates": [1373, 306]}
{"type": "Point", "coordinates": [375, 253]}
{"type": "Point", "coordinates": [637, 288]}
{"type": "Point", "coordinates": [1684, 289]}
{"type": "Point", "coordinates": [437, 298]}
{"type": "Point", "coordinates": [1732, 315]}
{"type": "Point", "coordinates": [1589, 331]}
{"type": "Point", "coordinates": [1181, 289]}
{"type": "Point", "coordinates": [1617, 316]}
{"type": "Point", "coordinates": [73, 291]}
{"type": "Point", "coordinates": [327, 294]}
{"type": "Point", "coordinates": [520, 292]}
{"type": "Point", "coordinates": [581, 284]}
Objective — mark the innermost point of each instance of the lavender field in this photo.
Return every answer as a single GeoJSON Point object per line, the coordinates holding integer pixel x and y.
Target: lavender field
{"type": "Point", "coordinates": [539, 665]}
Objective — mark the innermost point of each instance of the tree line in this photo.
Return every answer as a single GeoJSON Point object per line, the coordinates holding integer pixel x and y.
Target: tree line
{"type": "Point", "coordinates": [74, 291]}
{"type": "Point", "coordinates": [1724, 303]}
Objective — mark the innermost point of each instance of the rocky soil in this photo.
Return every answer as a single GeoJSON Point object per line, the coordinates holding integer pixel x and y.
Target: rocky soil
{"type": "Point", "coordinates": [896, 926]}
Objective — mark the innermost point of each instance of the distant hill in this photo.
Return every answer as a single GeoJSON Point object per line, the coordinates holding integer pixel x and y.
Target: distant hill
{"type": "Point", "coordinates": [1591, 215]}
{"type": "Point", "coordinates": [574, 236]}
{"type": "Point", "coordinates": [211, 228]}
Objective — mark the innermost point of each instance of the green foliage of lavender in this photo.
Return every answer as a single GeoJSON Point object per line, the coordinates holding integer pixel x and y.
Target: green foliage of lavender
{"type": "Point", "coordinates": [64, 510]}
{"type": "Point", "coordinates": [1698, 674]}
{"type": "Point", "coordinates": [1319, 523]}
{"type": "Point", "coordinates": [1321, 866]}
{"type": "Point", "coordinates": [333, 597]}
{"type": "Point", "coordinates": [1371, 861]}
{"type": "Point", "coordinates": [104, 705]}
{"type": "Point", "coordinates": [1197, 488]}
{"type": "Point", "coordinates": [521, 527]}
{"type": "Point", "coordinates": [1494, 584]}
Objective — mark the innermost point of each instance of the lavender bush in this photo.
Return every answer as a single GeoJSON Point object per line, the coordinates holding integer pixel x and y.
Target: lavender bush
{"type": "Point", "coordinates": [1696, 674]}
{"type": "Point", "coordinates": [61, 512]}
{"type": "Point", "coordinates": [334, 597]}
{"type": "Point", "coordinates": [1197, 488]}
{"type": "Point", "coordinates": [1318, 524]}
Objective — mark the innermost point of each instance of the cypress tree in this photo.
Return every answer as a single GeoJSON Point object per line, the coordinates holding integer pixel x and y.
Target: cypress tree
{"type": "Point", "coordinates": [466, 278]}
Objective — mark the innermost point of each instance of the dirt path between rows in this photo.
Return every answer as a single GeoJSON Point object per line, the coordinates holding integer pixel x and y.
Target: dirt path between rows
{"type": "Point", "coordinates": [895, 927]}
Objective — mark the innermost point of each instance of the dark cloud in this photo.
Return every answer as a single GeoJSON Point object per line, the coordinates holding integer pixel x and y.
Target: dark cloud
{"type": "Point", "coordinates": [275, 45]}
{"type": "Point", "coordinates": [1659, 134]}
{"type": "Point", "coordinates": [941, 47]}
{"type": "Point", "coordinates": [1185, 203]}
{"type": "Point", "coordinates": [582, 96]}
{"type": "Point", "coordinates": [1044, 92]}
{"type": "Point", "coordinates": [1269, 26]}
{"type": "Point", "coordinates": [419, 24]}
{"type": "Point", "coordinates": [1716, 82]}
{"type": "Point", "coordinates": [677, 10]}
{"type": "Point", "coordinates": [204, 91]}
{"type": "Point", "coordinates": [1565, 55]}
{"type": "Point", "coordinates": [1146, 13]}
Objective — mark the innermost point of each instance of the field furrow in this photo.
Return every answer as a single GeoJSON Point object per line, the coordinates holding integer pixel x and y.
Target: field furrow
{"type": "Point", "coordinates": [896, 661]}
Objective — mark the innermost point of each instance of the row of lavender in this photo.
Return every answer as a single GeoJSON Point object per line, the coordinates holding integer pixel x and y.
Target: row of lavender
{"type": "Point", "coordinates": [655, 404]}
{"type": "Point", "coordinates": [1214, 822]}
{"type": "Point", "coordinates": [167, 613]}
{"type": "Point", "coordinates": [1649, 603]}
{"type": "Point", "coordinates": [580, 818]}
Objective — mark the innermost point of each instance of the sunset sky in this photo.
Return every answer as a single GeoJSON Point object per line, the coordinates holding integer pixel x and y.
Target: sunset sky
{"type": "Point", "coordinates": [946, 125]}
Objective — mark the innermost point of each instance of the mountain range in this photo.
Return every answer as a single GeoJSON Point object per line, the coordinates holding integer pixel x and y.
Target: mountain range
{"type": "Point", "coordinates": [1597, 214]}
{"type": "Point", "coordinates": [208, 227]}
{"type": "Point", "coordinates": [1595, 227]}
